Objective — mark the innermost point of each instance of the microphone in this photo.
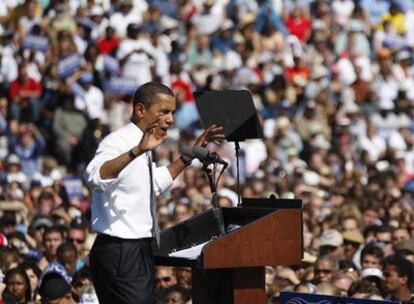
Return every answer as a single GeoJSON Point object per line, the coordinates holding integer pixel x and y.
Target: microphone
{"type": "Point", "coordinates": [202, 154]}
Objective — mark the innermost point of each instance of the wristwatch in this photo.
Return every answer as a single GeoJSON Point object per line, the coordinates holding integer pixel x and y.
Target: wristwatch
{"type": "Point", "coordinates": [185, 161]}
{"type": "Point", "coordinates": [131, 154]}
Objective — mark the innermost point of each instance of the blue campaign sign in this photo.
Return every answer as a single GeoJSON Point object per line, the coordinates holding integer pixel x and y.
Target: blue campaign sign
{"type": "Point", "coordinates": [74, 187]}
{"type": "Point", "coordinates": [308, 298]}
{"type": "Point", "coordinates": [36, 42]}
{"type": "Point", "coordinates": [111, 65]}
{"type": "Point", "coordinates": [121, 85]}
{"type": "Point", "coordinates": [69, 65]}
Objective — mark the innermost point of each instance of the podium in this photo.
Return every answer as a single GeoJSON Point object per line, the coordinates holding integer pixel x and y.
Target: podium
{"type": "Point", "coordinates": [230, 267]}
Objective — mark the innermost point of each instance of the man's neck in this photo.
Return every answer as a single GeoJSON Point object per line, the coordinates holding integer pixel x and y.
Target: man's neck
{"type": "Point", "coordinates": [402, 294]}
{"type": "Point", "coordinates": [138, 123]}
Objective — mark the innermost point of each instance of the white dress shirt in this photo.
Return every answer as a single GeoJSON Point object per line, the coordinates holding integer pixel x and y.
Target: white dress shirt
{"type": "Point", "coordinates": [121, 206]}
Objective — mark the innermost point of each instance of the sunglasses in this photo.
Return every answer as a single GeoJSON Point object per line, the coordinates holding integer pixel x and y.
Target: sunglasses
{"type": "Point", "coordinates": [164, 279]}
{"type": "Point", "coordinates": [78, 241]}
{"type": "Point", "coordinates": [326, 271]}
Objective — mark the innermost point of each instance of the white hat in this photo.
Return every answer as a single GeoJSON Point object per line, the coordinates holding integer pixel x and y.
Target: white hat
{"type": "Point", "coordinates": [371, 272]}
{"type": "Point", "coordinates": [13, 159]}
{"type": "Point", "coordinates": [311, 178]}
{"type": "Point", "coordinates": [96, 10]}
{"type": "Point", "coordinates": [282, 122]}
{"type": "Point", "coordinates": [321, 142]}
{"type": "Point", "coordinates": [402, 55]}
{"type": "Point", "coordinates": [331, 237]}
{"type": "Point", "coordinates": [319, 71]}
{"type": "Point", "coordinates": [168, 23]}
{"type": "Point", "coordinates": [227, 25]}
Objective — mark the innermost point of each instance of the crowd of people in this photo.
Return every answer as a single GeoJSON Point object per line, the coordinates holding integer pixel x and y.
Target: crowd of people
{"type": "Point", "coordinates": [333, 86]}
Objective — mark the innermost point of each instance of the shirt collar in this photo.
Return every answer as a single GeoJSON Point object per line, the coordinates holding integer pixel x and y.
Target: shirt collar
{"type": "Point", "coordinates": [135, 128]}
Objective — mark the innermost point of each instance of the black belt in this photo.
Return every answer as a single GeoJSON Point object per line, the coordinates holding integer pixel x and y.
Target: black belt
{"type": "Point", "coordinates": [107, 237]}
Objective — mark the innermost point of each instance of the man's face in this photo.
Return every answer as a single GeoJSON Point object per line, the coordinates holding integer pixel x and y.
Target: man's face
{"type": "Point", "coordinates": [165, 277]}
{"type": "Point", "coordinates": [399, 235]}
{"type": "Point", "coordinates": [392, 280]}
{"type": "Point", "coordinates": [69, 261]}
{"type": "Point", "coordinates": [343, 285]}
{"type": "Point", "coordinates": [371, 261]}
{"type": "Point", "coordinates": [350, 248]}
{"type": "Point", "coordinates": [184, 277]}
{"type": "Point", "coordinates": [163, 109]}
{"type": "Point", "coordinates": [385, 237]}
{"type": "Point", "coordinates": [77, 238]}
{"type": "Point", "coordinates": [52, 241]}
{"type": "Point", "coordinates": [349, 224]}
{"type": "Point", "coordinates": [369, 217]}
{"type": "Point", "coordinates": [323, 271]}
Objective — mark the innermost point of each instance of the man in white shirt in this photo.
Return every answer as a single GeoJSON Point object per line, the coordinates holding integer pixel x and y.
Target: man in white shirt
{"type": "Point", "coordinates": [91, 98]}
{"type": "Point", "coordinates": [124, 181]}
{"type": "Point", "coordinates": [136, 55]}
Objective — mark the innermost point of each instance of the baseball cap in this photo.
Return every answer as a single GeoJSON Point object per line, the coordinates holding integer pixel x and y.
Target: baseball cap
{"type": "Point", "coordinates": [53, 286]}
{"type": "Point", "coordinates": [42, 222]}
{"type": "Point", "coordinates": [78, 223]}
{"type": "Point", "coordinates": [331, 237]}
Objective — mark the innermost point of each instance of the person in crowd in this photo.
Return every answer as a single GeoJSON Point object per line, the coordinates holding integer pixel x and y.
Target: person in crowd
{"type": "Point", "coordinates": [398, 274]}
{"type": "Point", "coordinates": [52, 239]}
{"type": "Point", "coordinates": [55, 289]}
{"type": "Point", "coordinates": [372, 256]}
{"type": "Point", "coordinates": [18, 285]}
{"type": "Point", "coordinates": [324, 269]}
{"type": "Point", "coordinates": [34, 273]}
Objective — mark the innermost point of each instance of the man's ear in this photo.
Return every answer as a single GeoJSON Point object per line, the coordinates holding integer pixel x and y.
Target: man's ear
{"type": "Point", "coordinates": [404, 280]}
{"type": "Point", "coordinates": [139, 110]}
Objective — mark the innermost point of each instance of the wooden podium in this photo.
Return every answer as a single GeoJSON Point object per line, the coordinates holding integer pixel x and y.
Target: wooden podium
{"type": "Point", "coordinates": [230, 268]}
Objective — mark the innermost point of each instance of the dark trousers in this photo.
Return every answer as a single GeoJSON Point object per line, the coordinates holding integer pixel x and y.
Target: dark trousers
{"type": "Point", "coordinates": [123, 270]}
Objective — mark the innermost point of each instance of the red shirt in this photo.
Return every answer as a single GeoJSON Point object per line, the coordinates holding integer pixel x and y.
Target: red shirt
{"type": "Point", "coordinates": [31, 86]}
{"type": "Point", "coordinates": [299, 28]}
{"type": "Point", "coordinates": [106, 46]}
{"type": "Point", "coordinates": [185, 87]}
{"type": "Point", "coordinates": [293, 74]}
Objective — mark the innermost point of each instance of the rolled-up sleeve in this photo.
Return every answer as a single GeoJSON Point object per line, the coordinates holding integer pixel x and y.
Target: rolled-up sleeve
{"type": "Point", "coordinates": [108, 149]}
{"type": "Point", "coordinates": [162, 179]}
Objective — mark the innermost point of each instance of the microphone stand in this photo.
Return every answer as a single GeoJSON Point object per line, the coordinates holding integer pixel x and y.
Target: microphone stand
{"type": "Point", "coordinates": [237, 148]}
{"type": "Point", "coordinates": [218, 213]}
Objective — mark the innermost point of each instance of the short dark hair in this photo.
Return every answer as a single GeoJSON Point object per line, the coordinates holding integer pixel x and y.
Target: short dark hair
{"type": "Point", "coordinates": [147, 93]}
{"type": "Point", "coordinates": [403, 266]}
{"type": "Point", "coordinates": [384, 229]}
{"type": "Point", "coordinates": [184, 293]}
{"type": "Point", "coordinates": [372, 249]}
{"type": "Point", "coordinates": [363, 286]}
{"type": "Point", "coordinates": [66, 247]}
{"type": "Point", "coordinates": [54, 229]}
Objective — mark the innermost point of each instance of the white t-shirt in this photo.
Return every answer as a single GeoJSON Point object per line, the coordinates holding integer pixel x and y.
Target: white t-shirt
{"type": "Point", "coordinates": [8, 69]}
{"type": "Point", "coordinates": [120, 21]}
{"type": "Point", "coordinates": [138, 65]}
{"type": "Point", "coordinates": [92, 102]}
